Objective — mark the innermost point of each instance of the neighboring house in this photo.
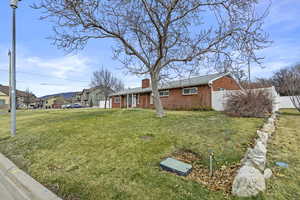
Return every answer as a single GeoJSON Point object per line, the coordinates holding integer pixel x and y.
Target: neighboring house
{"type": "Point", "coordinates": [90, 97]}
{"type": "Point", "coordinates": [84, 97]}
{"type": "Point", "coordinates": [76, 98]}
{"type": "Point", "coordinates": [4, 100]}
{"type": "Point", "coordinates": [182, 94]}
{"type": "Point", "coordinates": [95, 96]}
{"type": "Point", "coordinates": [21, 96]}
{"type": "Point", "coordinates": [54, 102]}
{"type": "Point", "coordinates": [39, 103]}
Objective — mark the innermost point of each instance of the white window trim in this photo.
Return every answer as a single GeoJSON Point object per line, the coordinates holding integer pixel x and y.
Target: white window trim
{"type": "Point", "coordinates": [190, 93]}
{"type": "Point", "coordinates": [116, 99]}
{"type": "Point", "coordinates": [164, 91]}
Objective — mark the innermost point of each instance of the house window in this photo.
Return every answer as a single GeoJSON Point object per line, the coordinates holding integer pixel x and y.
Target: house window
{"type": "Point", "coordinates": [189, 91]}
{"type": "Point", "coordinates": [2, 102]}
{"type": "Point", "coordinates": [164, 93]}
{"type": "Point", "coordinates": [117, 100]}
{"type": "Point", "coordinates": [222, 89]}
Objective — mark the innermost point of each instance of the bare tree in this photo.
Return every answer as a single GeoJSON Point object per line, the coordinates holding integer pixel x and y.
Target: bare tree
{"type": "Point", "coordinates": [104, 80]}
{"type": "Point", "coordinates": [291, 84]}
{"type": "Point", "coordinates": [28, 98]}
{"type": "Point", "coordinates": [161, 37]}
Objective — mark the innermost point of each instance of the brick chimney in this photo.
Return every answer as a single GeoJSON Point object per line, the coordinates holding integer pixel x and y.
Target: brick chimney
{"type": "Point", "coordinates": [146, 83]}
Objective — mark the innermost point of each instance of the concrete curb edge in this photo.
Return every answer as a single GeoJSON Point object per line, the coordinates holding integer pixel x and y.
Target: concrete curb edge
{"type": "Point", "coordinates": [21, 185]}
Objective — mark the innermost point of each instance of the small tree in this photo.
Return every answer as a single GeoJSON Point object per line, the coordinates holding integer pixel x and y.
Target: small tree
{"type": "Point", "coordinates": [28, 98]}
{"type": "Point", "coordinates": [161, 37]}
{"type": "Point", "coordinates": [106, 82]}
{"type": "Point", "coordinates": [291, 84]}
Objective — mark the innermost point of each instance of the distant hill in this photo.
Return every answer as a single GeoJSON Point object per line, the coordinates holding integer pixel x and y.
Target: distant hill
{"type": "Point", "coordinates": [66, 95]}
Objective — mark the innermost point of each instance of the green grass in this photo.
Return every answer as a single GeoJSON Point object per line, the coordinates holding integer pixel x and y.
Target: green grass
{"type": "Point", "coordinates": [99, 154]}
{"type": "Point", "coordinates": [285, 146]}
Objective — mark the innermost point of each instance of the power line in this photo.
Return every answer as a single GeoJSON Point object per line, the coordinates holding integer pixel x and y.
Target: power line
{"type": "Point", "coordinates": [37, 74]}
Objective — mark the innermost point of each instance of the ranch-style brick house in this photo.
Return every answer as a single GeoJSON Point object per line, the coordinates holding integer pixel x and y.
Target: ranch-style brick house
{"type": "Point", "coordinates": [189, 93]}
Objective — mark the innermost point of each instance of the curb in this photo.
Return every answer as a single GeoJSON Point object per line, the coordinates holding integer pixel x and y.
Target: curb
{"type": "Point", "coordinates": [21, 185]}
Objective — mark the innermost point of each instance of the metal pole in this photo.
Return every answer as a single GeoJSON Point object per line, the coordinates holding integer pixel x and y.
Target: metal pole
{"type": "Point", "coordinates": [210, 166]}
{"type": "Point", "coordinates": [9, 78]}
{"type": "Point", "coordinates": [13, 74]}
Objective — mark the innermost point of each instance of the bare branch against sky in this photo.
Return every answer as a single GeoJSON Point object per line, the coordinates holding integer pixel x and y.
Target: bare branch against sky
{"type": "Point", "coordinates": [162, 37]}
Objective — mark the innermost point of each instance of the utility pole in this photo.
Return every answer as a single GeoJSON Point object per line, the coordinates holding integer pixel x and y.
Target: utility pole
{"type": "Point", "coordinates": [9, 78]}
{"type": "Point", "coordinates": [14, 6]}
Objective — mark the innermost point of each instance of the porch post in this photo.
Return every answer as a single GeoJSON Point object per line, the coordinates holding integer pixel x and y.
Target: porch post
{"type": "Point", "coordinates": [127, 100]}
{"type": "Point", "coordinates": [120, 101]}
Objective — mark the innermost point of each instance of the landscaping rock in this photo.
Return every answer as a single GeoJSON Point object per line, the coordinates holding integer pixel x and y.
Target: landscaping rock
{"type": "Point", "coordinates": [269, 128]}
{"type": "Point", "coordinates": [257, 156]}
{"type": "Point", "coordinates": [268, 173]}
{"type": "Point", "coordinates": [248, 182]}
{"type": "Point", "coordinates": [263, 137]}
{"type": "Point", "coordinates": [274, 116]}
{"type": "Point", "coordinates": [271, 120]}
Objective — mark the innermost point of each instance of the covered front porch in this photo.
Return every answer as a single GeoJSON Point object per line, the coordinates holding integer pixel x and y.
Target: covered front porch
{"type": "Point", "coordinates": [129, 100]}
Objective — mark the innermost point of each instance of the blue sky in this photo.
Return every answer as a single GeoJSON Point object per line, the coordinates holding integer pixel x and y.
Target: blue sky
{"type": "Point", "coordinates": [44, 69]}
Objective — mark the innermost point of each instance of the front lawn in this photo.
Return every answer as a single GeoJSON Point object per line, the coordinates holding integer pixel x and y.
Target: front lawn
{"type": "Point", "coordinates": [94, 154]}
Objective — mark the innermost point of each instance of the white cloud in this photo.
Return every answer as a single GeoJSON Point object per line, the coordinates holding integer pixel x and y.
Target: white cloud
{"type": "Point", "coordinates": [58, 67]}
{"type": "Point", "coordinates": [284, 13]}
{"type": "Point", "coordinates": [48, 75]}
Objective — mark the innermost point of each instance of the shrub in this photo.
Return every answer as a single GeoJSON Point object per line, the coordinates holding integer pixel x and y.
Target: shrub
{"type": "Point", "coordinates": [249, 103]}
{"type": "Point", "coordinates": [191, 108]}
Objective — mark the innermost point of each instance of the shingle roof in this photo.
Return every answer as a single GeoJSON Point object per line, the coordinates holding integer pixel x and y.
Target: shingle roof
{"type": "Point", "coordinates": [200, 80]}
{"type": "Point", "coordinates": [5, 89]}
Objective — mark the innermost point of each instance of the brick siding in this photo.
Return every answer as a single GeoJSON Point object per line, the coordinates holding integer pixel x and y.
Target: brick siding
{"type": "Point", "coordinates": [176, 100]}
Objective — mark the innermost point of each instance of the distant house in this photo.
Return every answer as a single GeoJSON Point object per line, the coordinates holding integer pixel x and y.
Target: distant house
{"type": "Point", "coordinates": [4, 100]}
{"type": "Point", "coordinates": [181, 94]}
{"type": "Point", "coordinates": [76, 98]}
{"type": "Point", "coordinates": [22, 97]}
{"type": "Point", "coordinates": [84, 97]}
{"type": "Point", "coordinates": [91, 97]}
{"type": "Point", "coordinates": [54, 102]}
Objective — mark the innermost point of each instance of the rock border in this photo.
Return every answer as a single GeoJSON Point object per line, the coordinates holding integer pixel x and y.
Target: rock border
{"type": "Point", "coordinates": [20, 185]}
{"type": "Point", "coordinates": [251, 177]}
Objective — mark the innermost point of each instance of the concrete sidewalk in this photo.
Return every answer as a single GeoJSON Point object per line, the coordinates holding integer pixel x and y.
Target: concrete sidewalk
{"type": "Point", "coordinates": [15, 184]}
{"type": "Point", "coordinates": [4, 194]}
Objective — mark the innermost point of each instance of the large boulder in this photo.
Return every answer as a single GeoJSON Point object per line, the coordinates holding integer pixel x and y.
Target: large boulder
{"type": "Point", "coordinates": [248, 182]}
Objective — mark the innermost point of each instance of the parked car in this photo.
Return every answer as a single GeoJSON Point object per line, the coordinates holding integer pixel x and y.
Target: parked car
{"type": "Point", "coordinates": [66, 106]}
{"type": "Point", "coordinates": [76, 106]}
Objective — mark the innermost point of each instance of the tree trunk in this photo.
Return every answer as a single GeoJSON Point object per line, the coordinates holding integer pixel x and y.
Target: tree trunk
{"type": "Point", "coordinates": [105, 103]}
{"type": "Point", "coordinates": [156, 100]}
